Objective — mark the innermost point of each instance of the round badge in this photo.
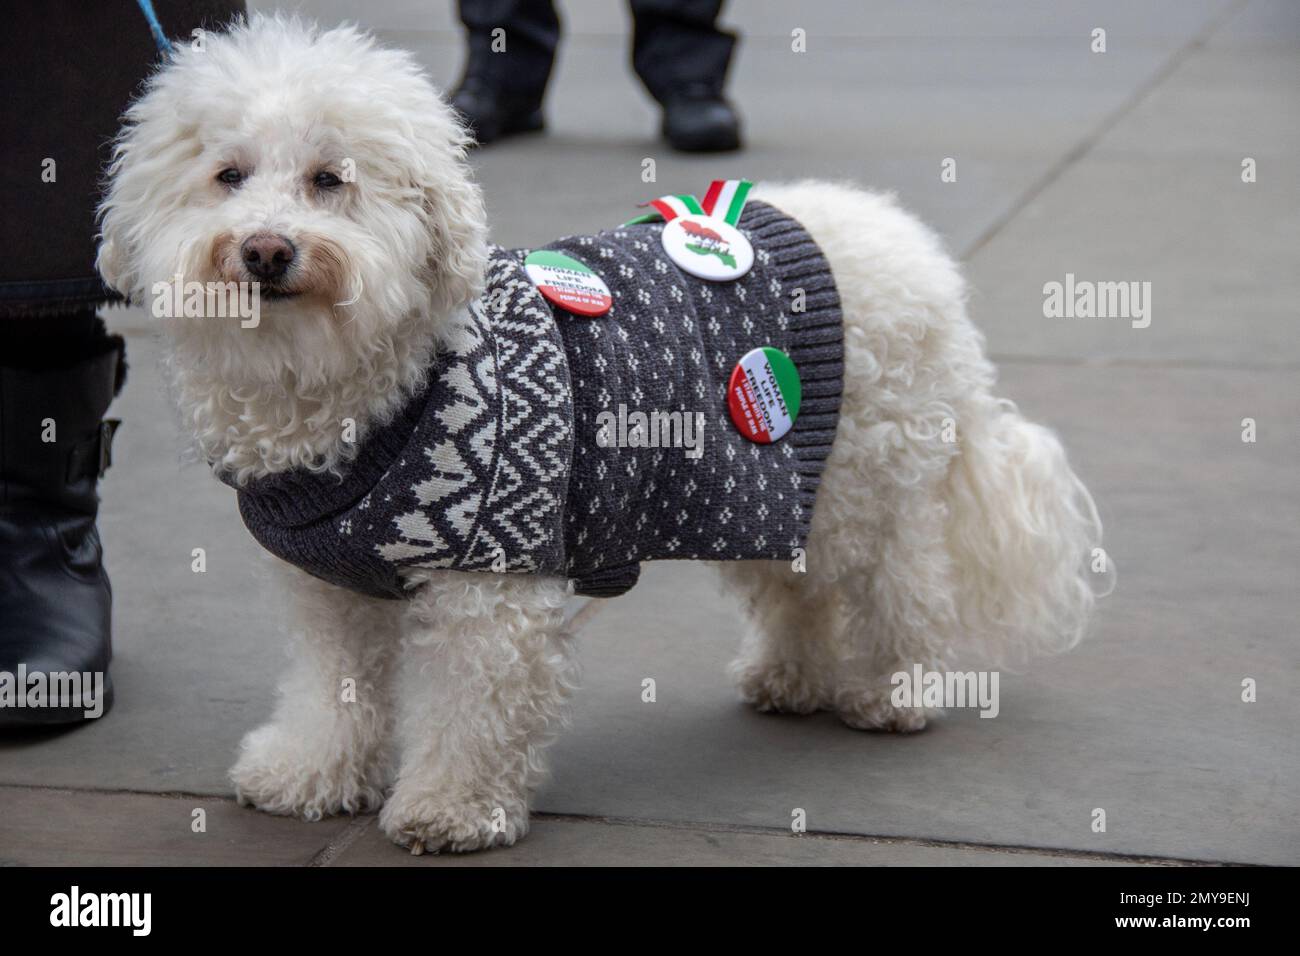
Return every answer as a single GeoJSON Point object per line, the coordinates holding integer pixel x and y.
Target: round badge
{"type": "Point", "coordinates": [763, 395]}
{"type": "Point", "coordinates": [568, 283]}
{"type": "Point", "coordinates": [708, 248]}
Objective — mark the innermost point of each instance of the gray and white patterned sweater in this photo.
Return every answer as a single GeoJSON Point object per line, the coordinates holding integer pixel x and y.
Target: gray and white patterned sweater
{"type": "Point", "coordinates": [497, 465]}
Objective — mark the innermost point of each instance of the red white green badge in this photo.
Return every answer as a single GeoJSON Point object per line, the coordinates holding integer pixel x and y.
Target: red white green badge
{"type": "Point", "coordinates": [701, 235]}
{"type": "Point", "coordinates": [568, 283]}
{"type": "Point", "coordinates": [708, 248]}
{"type": "Point", "coordinates": [763, 395]}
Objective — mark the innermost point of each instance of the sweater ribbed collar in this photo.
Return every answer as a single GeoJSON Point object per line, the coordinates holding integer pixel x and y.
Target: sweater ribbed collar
{"type": "Point", "coordinates": [299, 497]}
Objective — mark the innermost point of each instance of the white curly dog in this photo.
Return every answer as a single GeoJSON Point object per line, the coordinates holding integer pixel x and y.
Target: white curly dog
{"type": "Point", "coordinates": [927, 550]}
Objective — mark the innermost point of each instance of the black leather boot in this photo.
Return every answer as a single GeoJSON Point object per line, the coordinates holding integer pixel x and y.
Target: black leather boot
{"type": "Point", "coordinates": [492, 113]}
{"type": "Point", "coordinates": [55, 599]}
{"type": "Point", "coordinates": [699, 121]}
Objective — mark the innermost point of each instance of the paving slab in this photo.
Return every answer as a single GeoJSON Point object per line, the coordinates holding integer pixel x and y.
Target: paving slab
{"type": "Point", "coordinates": [568, 842]}
{"type": "Point", "coordinates": [1160, 199]}
{"type": "Point", "coordinates": [64, 828]}
{"type": "Point", "coordinates": [1143, 720]}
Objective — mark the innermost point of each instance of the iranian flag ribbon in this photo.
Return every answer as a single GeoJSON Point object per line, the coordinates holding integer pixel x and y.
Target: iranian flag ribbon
{"type": "Point", "coordinates": [725, 200]}
{"type": "Point", "coordinates": [670, 207]}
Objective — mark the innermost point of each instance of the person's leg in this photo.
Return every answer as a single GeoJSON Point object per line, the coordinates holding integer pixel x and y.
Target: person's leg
{"type": "Point", "coordinates": [682, 58]}
{"type": "Point", "coordinates": [58, 374]}
{"type": "Point", "coordinates": [510, 49]}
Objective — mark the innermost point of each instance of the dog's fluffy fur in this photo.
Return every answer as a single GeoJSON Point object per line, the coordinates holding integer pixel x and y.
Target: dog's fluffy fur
{"type": "Point", "coordinates": [923, 550]}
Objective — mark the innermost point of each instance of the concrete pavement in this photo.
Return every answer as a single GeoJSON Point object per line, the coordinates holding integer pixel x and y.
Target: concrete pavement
{"type": "Point", "coordinates": [1123, 165]}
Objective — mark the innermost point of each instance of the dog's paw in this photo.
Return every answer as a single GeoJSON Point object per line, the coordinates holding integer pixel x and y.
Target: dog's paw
{"type": "Point", "coordinates": [283, 773]}
{"type": "Point", "coordinates": [871, 709]}
{"type": "Point", "coordinates": [785, 687]}
{"type": "Point", "coordinates": [427, 821]}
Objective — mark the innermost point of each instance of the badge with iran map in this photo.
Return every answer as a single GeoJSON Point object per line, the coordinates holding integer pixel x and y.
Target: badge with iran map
{"type": "Point", "coordinates": [708, 248]}
{"type": "Point", "coordinates": [700, 235]}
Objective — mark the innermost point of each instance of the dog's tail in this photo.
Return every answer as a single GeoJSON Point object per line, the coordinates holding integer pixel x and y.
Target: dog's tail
{"type": "Point", "coordinates": [1025, 538]}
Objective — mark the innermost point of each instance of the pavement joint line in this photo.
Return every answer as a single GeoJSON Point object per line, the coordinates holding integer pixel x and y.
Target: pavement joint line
{"type": "Point", "coordinates": [1108, 122]}
{"type": "Point", "coordinates": [119, 792]}
{"type": "Point", "coordinates": [358, 825]}
{"type": "Point", "coordinates": [847, 837]}
{"type": "Point", "coordinates": [584, 614]}
{"type": "Point", "coordinates": [332, 850]}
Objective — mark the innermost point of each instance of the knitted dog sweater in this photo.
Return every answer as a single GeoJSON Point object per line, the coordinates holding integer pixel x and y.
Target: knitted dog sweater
{"type": "Point", "coordinates": [500, 463]}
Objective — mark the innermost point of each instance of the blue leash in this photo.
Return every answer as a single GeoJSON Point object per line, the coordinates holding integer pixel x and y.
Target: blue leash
{"type": "Point", "coordinates": [159, 38]}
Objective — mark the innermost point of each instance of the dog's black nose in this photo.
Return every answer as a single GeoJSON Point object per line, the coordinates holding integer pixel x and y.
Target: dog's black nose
{"type": "Point", "coordinates": [267, 256]}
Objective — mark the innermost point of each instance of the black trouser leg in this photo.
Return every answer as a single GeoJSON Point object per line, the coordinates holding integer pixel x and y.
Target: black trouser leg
{"type": "Point", "coordinates": [678, 49]}
{"type": "Point", "coordinates": [532, 32]}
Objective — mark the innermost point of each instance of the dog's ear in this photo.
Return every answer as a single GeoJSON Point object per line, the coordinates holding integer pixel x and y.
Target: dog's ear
{"type": "Point", "coordinates": [143, 182]}
{"type": "Point", "coordinates": [113, 259]}
{"type": "Point", "coordinates": [453, 207]}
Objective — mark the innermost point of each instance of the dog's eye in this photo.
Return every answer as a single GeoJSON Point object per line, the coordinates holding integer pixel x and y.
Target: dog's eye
{"type": "Point", "coordinates": [231, 177]}
{"type": "Point", "coordinates": [326, 180]}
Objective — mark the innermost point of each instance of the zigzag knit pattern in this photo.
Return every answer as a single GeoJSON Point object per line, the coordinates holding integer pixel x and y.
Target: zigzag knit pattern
{"type": "Point", "coordinates": [496, 466]}
{"type": "Point", "coordinates": [497, 442]}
